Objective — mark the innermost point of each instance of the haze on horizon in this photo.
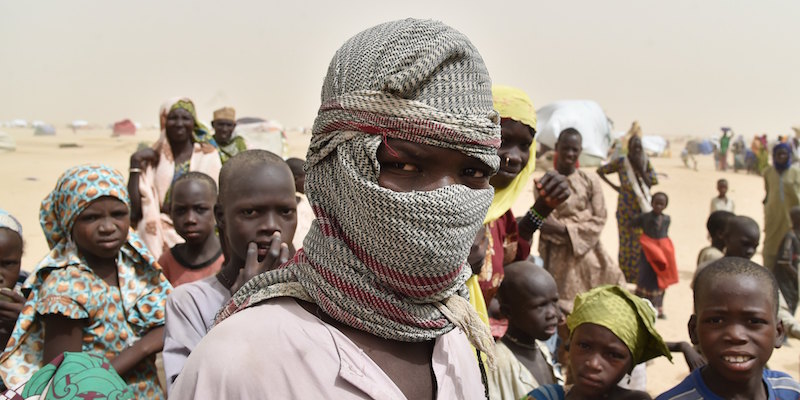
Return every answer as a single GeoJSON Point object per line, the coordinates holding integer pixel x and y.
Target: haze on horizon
{"type": "Point", "coordinates": [681, 67]}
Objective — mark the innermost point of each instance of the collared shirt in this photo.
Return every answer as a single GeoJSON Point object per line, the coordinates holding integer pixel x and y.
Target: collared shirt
{"type": "Point", "coordinates": [277, 350]}
{"type": "Point", "coordinates": [511, 379]}
{"type": "Point", "coordinates": [779, 385]}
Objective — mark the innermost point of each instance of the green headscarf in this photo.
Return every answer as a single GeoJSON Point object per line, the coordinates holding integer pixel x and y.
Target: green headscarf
{"type": "Point", "coordinates": [627, 316]}
{"type": "Point", "coordinates": [200, 134]}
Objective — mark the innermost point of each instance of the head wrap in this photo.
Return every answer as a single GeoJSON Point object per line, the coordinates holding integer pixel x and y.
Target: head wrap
{"type": "Point", "coordinates": [200, 133]}
{"type": "Point", "coordinates": [513, 103]}
{"type": "Point", "coordinates": [788, 163]}
{"type": "Point", "coordinates": [225, 113]}
{"type": "Point", "coordinates": [392, 264]}
{"type": "Point", "coordinates": [629, 317]}
{"type": "Point", "coordinates": [8, 221]}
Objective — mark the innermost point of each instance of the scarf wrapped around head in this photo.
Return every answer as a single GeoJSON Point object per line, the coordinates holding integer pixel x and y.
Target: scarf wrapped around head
{"type": "Point", "coordinates": [513, 103]}
{"type": "Point", "coordinates": [629, 317]}
{"type": "Point", "coordinates": [201, 132]}
{"type": "Point", "coordinates": [8, 221]}
{"type": "Point", "coordinates": [788, 163]}
{"type": "Point", "coordinates": [392, 264]}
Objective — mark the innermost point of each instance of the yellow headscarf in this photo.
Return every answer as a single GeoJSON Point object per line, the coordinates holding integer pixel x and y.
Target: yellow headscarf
{"type": "Point", "coordinates": [513, 103]}
{"type": "Point", "coordinates": [629, 317]}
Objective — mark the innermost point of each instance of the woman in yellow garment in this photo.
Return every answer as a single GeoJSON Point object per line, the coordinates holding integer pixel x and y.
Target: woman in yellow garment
{"type": "Point", "coordinates": [509, 240]}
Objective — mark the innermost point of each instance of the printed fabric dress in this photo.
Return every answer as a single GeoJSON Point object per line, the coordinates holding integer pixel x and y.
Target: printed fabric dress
{"type": "Point", "coordinates": [628, 208]}
{"type": "Point", "coordinates": [63, 284]}
{"type": "Point", "coordinates": [577, 259]}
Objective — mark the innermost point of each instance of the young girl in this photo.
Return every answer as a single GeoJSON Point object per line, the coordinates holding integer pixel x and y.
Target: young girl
{"type": "Point", "coordinates": [611, 331]}
{"type": "Point", "coordinates": [657, 267]}
{"type": "Point", "coordinates": [98, 291]}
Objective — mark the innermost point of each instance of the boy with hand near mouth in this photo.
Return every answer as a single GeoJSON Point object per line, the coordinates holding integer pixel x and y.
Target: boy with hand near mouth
{"type": "Point", "coordinates": [256, 218]}
{"type": "Point", "coordinates": [735, 323]}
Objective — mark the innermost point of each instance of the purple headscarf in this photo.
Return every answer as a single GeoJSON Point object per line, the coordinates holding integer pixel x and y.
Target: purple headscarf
{"type": "Point", "coordinates": [783, 166]}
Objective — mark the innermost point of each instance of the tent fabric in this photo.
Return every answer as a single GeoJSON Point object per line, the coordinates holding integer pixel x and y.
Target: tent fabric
{"type": "Point", "coordinates": [266, 135]}
{"type": "Point", "coordinates": [585, 116]}
{"type": "Point", "coordinates": [44, 130]}
{"type": "Point", "coordinates": [654, 144]}
{"type": "Point", "coordinates": [7, 142]}
{"type": "Point", "coordinates": [124, 127]}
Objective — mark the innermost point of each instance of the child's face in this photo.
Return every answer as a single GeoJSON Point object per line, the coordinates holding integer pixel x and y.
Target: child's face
{"type": "Point", "coordinates": [569, 149]}
{"type": "Point", "coordinates": [514, 151]}
{"type": "Point", "coordinates": [598, 358]}
{"type": "Point", "coordinates": [537, 314]}
{"type": "Point", "coordinates": [261, 202]}
{"type": "Point", "coordinates": [10, 257]}
{"type": "Point", "coordinates": [742, 241]}
{"type": "Point", "coordinates": [736, 327]}
{"type": "Point", "coordinates": [659, 203]}
{"type": "Point", "coordinates": [102, 228]}
{"type": "Point", "coordinates": [300, 182]}
{"type": "Point", "coordinates": [192, 210]}
{"type": "Point", "coordinates": [722, 188]}
{"type": "Point", "coordinates": [408, 166]}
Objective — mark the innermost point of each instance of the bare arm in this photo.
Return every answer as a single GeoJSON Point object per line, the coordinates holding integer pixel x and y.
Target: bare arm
{"type": "Point", "coordinates": [139, 161]}
{"type": "Point", "coordinates": [61, 334]}
{"type": "Point", "coordinates": [152, 342]}
{"type": "Point", "coordinates": [602, 175]}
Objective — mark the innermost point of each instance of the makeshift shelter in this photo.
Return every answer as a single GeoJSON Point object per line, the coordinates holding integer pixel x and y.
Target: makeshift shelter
{"type": "Point", "coordinates": [586, 117]}
{"type": "Point", "coordinates": [7, 143]}
{"type": "Point", "coordinates": [44, 130]}
{"type": "Point", "coordinates": [124, 128]}
{"type": "Point", "coordinates": [263, 134]}
{"type": "Point", "coordinates": [655, 146]}
{"type": "Point", "coordinates": [78, 123]}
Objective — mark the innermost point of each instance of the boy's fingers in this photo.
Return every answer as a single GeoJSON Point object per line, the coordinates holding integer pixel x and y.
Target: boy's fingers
{"type": "Point", "coordinates": [284, 255]}
{"type": "Point", "coordinates": [252, 255]}
{"type": "Point", "coordinates": [274, 250]}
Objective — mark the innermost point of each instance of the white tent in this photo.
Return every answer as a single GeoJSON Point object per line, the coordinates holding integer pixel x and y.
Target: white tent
{"type": "Point", "coordinates": [586, 117]}
{"type": "Point", "coordinates": [264, 135]}
{"type": "Point", "coordinates": [656, 145]}
{"type": "Point", "coordinates": [78, 123]}
{"type": "Point", "coordinates": [7, 142]}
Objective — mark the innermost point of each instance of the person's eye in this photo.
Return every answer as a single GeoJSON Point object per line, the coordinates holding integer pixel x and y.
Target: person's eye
{"type": "Point", "coordinates": [617, 356]}
{"type": "Point", "coordinates": [287, 211]}
{"type": "Point", "coordinates": [407, 167]}
{"type": "Point", "coordinates": [714, 320]}
{"type": "Point", "coordinates": [249, 212]}
{"type": "Point", "coordinates": [584, 346]}
{"type": "Point", "coordinates": [475, 173]}
{"type": "Point", "coordinates": [757, 321]}
{"type": "Point", "coordinates": [120, 214]}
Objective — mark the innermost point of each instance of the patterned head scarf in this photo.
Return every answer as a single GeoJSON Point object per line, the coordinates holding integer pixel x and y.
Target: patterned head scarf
{"type": "Point", "coordinates": [629, 317]}
{"type": "Point", "coordinates": [513, 103]}
{"type": "Point", "coordinates": [392, 264]}
{"type": "Point", "coordinates": [788, 163]}
{"type": "Point", "coordinates": [76, 189]}
{"type": "Point", "coordinates": [8, 221]}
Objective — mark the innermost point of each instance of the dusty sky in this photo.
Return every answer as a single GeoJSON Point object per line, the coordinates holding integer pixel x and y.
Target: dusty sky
{"type": "Point", "coordinates": [679, 67]}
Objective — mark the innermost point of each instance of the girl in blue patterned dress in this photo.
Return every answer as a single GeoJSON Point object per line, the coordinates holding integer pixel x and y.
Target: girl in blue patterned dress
{"type": "Point", "coordinates": [98, 291]}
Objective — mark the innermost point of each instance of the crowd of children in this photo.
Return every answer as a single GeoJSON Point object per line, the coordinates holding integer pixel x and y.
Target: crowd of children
{"type": "Point", "coordinates": [386, 265]}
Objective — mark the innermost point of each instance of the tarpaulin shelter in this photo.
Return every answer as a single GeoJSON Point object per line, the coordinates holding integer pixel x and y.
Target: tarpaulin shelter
{"type": "Point", "coordinates": [585, 116]}
{"type": "Point", "coordinates": [124, 128]}
{"type": "Point", "coordinates": [44, 130]}
{"type": "Point", "coordinates": [263, 134]}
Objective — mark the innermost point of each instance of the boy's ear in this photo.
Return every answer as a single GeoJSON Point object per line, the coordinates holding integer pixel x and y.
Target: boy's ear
{"type": "Point", "coordinates": [692, 325]}
{"type": "Point", "coordinates": [780, 334]}
{"type": "Point", "coordinates": [219, 216]}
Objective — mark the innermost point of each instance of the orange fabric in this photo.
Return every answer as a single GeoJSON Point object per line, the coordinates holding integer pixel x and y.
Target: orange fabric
{"type": "Point", "coordinates": [660, 253]}
{"type": "Point", "coordinates": [177, 274]}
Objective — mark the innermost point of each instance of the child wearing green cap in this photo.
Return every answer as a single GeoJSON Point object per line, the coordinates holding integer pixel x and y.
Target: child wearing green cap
{"type": "Point", "coordinates": [611, 331]}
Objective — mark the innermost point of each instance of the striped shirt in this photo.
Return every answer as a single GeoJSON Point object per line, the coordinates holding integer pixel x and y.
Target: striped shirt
{"type": "Point", "coordinates": [780, 386]}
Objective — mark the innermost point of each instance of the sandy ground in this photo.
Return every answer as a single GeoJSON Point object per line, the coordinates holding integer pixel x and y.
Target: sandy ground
{"type": "Point", "coordinates": [31, 172]}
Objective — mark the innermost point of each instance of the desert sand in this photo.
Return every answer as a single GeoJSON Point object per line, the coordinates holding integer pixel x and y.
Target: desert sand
{"type": "Point", "coordinates": [31, 171]}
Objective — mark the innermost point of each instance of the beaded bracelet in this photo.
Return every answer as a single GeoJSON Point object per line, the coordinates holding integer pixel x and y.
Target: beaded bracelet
{"type": "Point", "coordinates": [536, 219]}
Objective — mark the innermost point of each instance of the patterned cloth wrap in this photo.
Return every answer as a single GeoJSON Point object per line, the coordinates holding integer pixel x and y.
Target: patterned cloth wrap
{"type": "Point", "coordinates": [8, 221]}
{"type": "Point", "coordinates": [628, 317]}
{"type": "Point", "coordinates": [74, 191]}
{"type": "Point", "coordinates": [388, 263]}
{"type": "Point", "coordinates": [77, 376]}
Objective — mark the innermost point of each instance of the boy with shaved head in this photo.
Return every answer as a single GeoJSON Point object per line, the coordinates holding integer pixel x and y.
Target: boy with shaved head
{"type": "Point", "coordinates": [528, 297]}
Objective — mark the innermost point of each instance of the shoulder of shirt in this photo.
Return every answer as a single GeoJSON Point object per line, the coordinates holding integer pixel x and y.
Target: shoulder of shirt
{"type": "Point", "coordinates": [781, 381]}
{"type": "Point", "coordinates": [686, 390]}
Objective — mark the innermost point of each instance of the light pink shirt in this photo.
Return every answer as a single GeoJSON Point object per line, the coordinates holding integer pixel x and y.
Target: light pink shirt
{"type": "Point", "coordinates": [277, 350]}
